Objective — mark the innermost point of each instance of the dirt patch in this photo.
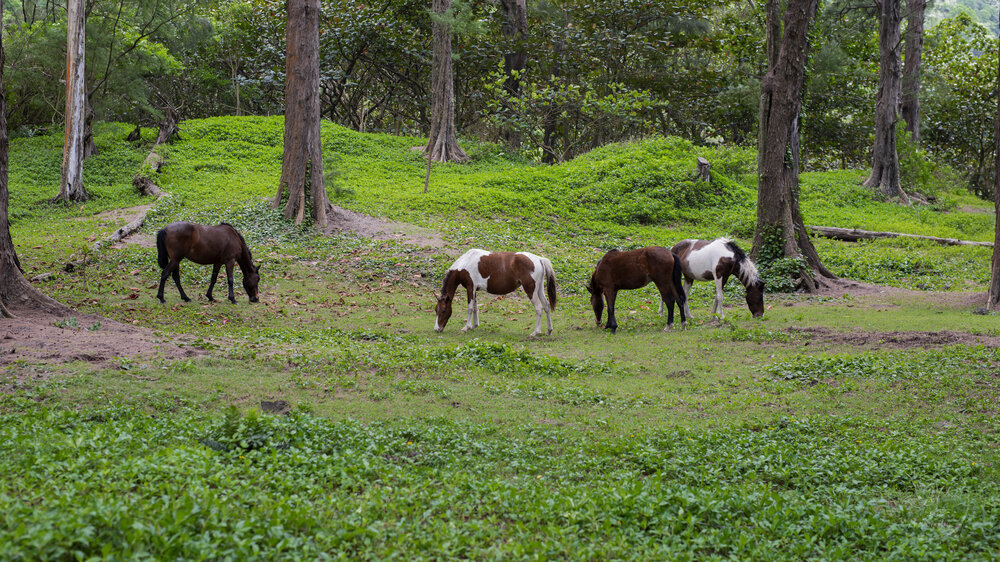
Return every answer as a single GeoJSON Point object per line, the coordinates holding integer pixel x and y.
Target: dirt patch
{"type": "Point", "coordinates": [37, 336]}
{"type": "Point", "coordinates": [893, 340]}
{"type": "Point", "coordinates": [341, 219]}
{"type": "Point", "coordinates": [841, 287]}
{"type": "Point", "coordinates": [127, 213]}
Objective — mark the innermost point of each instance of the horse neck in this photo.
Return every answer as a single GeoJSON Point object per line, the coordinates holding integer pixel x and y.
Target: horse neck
{"type": "Point", "coordinates": [746, 272]}
{"type": "Point", "coordinates": [244, 259]}
{"type": "Point", "coordinates": [451, 282]}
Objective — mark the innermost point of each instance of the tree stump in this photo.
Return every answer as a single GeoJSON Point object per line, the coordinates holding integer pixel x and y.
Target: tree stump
{"type": "Point", "coordinates": [704, 170]}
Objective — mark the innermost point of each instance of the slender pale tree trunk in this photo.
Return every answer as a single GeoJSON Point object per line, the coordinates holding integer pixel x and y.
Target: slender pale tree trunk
{"type": "Point", "coordinates": [302, 161]}
{"type": "Point", "coordinates": [885, 159]}
{"type": "Point", "coordinates": [914, 40]}
{"type": "Point", "coordinates": [780, 232]}
{"type": "Point", "coordinates": [15, 291]}
{"type": "Point", "coordinates": [71, 186]}
{"type": "Point", "coordinates": [442, 142]}
{"type": "Point", "coordinates": [993, 295]}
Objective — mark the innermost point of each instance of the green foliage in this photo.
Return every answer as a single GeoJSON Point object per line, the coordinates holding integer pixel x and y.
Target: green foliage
{"type": "Point", "coordinates": [931, 365]}
{"type": "Point", "coordinates": [959, 70]}
{"type": "Point", "coordinates": [98, 482]}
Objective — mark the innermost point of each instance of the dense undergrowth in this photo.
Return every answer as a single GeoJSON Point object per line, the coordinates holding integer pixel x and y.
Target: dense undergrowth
{"type": "Point", "coordinates": [746, 439]}
{"type": "Point", "coordinates": [117, 483]}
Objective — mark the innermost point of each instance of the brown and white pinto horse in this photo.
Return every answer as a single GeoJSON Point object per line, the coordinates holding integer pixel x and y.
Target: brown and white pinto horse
{"type": "Point", "coordinates": [498, 273]}
{"type": "Point", "coordinates": [216, 245]}
{"type": "Point", "coordinates": [715, 260]}
{"type": "Point", "coordinates": [634, 269]}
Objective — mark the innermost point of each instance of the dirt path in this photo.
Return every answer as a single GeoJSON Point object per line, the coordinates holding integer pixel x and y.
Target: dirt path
{"type": "Point", "coordinates": [341, 219]}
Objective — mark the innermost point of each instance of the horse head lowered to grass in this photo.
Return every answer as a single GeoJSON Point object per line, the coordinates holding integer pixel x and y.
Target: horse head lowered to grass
{"type": "Point", "coordinates": [634, 269]}
{"type": "Point", "coordinates": [498, 273]}
{"type": "Point", "coordinates": [206, 245]}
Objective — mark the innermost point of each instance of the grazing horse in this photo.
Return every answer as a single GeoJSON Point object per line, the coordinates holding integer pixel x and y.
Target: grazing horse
{"type": "Point", "coordinates": [498, 273]}
{"type": "Point", "coordinates": [715, 260]}
{"type": "Point", "coordinates": [215, 245]}
{"type": "Point", "coordinates": [634, 269]}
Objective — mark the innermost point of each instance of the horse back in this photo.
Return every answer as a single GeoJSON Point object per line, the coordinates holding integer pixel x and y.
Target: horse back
{"type": "Point", "coordinates": [203, 244]}
{"type": "Point", "coordinates": [633, 269]}
{"type": "Point", "coordinates": [504, 272]}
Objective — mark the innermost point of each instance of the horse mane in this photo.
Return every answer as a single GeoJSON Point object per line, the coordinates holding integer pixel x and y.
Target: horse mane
{"type": "Point", "coordinates": [747, 271]}
{"type": "Point", "coordinates": [245, 245]}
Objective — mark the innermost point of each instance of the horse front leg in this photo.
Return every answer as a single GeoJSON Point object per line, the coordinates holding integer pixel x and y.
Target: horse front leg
{"type": "Point", "coordinates": [612, 322]}
{"type": "Point", "coordinates": [472, 313]}
{"type": "Point", "coordinates": [211, 283]}
{"type": "Point", "coordinates": [229, 279]}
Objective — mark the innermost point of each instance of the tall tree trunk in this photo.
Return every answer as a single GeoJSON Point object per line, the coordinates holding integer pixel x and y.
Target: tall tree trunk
{"type": "Point", "coordinates": [302, 161]}
{"type": "Point", "coordinates": [885, 160]}
{"type": "Point", "coordinates": [914, 39]}
{"type": "Point", "coordinates": [780, 232]}
{"type": "Point", "coordinates": [71, 186]}
{"type": "Point", "coordinates": [993, 295]}
{"type": "Point", "coordinates": [442, 142]}
{"type": "Point", "coordinates": [15, 291]}
{"type": "Point", "coordinates": [515, 29]}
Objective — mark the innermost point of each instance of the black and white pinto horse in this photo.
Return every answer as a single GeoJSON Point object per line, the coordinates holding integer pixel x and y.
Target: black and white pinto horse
{"type": "Point", "coordinates": [715, 260]}
{"type": "Point", "coordinates": [498, 273]}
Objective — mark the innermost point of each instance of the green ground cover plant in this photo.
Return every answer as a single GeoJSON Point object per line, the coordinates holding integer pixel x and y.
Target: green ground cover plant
{"type": "Point", "coordinates": [813, 432]}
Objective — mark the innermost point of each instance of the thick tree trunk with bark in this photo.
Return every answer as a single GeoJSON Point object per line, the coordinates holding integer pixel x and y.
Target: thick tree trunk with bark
{"type": "Point", "coordinates": [993, 295]}
{"type": "Point", "coordinates": [914, 40]}
{"type": "Point", "coordinates": [515, 29]}
{"type": "Point", "coordinates": [71, 186]}
{"type": "Point", "coordinates": [15, 291]}
{"type": "Point", "coordinates": [780, 232]}
{"type": "Point", "coordinates": [885, 160]}
{"type": "Point", "coordinates": [302, 162]}
{"type": "Point", "coordinates": [442, 142]}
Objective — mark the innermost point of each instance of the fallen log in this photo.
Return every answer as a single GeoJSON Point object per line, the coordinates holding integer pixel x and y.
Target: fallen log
{"type": "Point", "coordinates": [855, 234]}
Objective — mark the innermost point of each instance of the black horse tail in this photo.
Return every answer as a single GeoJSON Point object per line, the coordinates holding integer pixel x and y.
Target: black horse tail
{"type": "Point", "coordinates": [550, 286]}
{"type": "Point", "coordinates": [678, 275]}
{"type": "Point", "coordinates": [161, 248]}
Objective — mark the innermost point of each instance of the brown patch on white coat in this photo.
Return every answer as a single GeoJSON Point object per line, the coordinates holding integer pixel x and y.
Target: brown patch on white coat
{"type": "Point", "coordinates": [498, 273]}
{"type": "Point", "coordinates": [715, 260]}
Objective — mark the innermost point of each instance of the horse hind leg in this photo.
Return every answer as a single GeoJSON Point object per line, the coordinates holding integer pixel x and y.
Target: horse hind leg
{"type": "Point", "coordinates": [211, 283]}
{"type": "Point", "coordinates": [541, 305]}
{"type": "Point", "coordinates": [176, 274]}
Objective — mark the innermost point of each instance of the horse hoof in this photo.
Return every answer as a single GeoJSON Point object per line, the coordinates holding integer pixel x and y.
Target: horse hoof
{"type": "Point", "coordinates": [185, 299]}
{"type": "Point", "coordinates": [669, 328]}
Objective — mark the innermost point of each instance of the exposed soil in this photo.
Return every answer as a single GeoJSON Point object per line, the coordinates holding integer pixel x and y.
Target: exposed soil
{"type": "Point", "coordinates": [895, 339]}
{"type": "Point", "coordinates": [38, 336]}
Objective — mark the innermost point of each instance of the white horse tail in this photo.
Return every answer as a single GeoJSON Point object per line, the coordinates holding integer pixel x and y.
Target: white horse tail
{"type": "Point", "coordinates": [550, 285]}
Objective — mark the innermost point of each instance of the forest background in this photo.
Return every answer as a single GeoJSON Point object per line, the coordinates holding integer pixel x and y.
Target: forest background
{"type": "Point", "coordinates": [596, 72]}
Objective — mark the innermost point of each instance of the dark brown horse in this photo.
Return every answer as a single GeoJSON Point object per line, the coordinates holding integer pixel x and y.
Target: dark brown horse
{"type": "Point", "coordinates": [498, 273]}
{"type": "Point", "coordinates": [215, 245]}
{"type": "Point", "coordinates": [634, 269]}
